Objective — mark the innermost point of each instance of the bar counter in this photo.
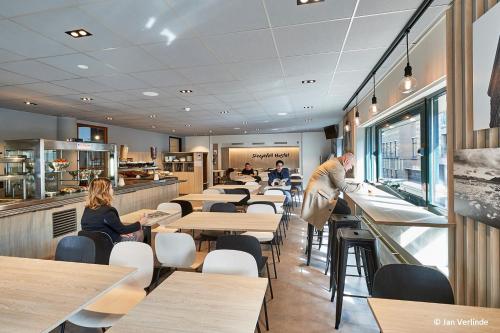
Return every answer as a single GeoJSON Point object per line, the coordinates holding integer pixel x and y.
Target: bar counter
{"type": "Point", "coordinates": [32, 228]}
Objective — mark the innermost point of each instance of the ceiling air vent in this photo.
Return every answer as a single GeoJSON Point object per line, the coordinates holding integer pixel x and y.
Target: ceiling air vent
{"type": "Point", "coordinates": [237, 144]}
{"type": "Point", "coordinates": [281, 143]}
{"type": "Point", "coordinates": [258, 143]}
{"type": "Point", "coordinates": [63, 222]}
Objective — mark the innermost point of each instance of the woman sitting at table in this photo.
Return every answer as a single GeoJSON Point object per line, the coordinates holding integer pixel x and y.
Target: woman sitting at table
{"type": "Point", "coordinates": [99, 215]}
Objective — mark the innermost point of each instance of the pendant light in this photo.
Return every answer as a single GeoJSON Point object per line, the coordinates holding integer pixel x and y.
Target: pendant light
{"type": "Point", "coordinates": [373, 107]}
{"type": "Point", "coordinates": [408, 83]}
{"type": "Point", "coordinates": [356, 115]}
{"type": "Point", "coordinates": [347, 126]}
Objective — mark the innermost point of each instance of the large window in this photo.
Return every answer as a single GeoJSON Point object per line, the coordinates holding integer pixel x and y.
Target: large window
{"type": "Point", "coordinates": [401, 161]}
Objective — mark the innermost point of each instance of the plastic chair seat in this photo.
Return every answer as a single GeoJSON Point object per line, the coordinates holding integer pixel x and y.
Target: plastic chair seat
{"type": "Point", "coordinates": [261, 236]}
{"type": "Point", "coordinates": [117, 301]}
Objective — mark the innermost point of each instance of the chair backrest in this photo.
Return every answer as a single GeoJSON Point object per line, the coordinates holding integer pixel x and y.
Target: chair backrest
{"type": "Point", "coordinates": [261, 208]}
{"type": "Point", "coordinates": [245, 243]}
{"type": "Point", "coordinates": [273, 191]}
{"type": "Point", "coordinates": [412, 283]}
{"type": "Point", "coordinates": [213, 191]}
{"type": "Point", "coordinates": [244, 191]}
{"type": "Point", "coordinates": [186, 206]}
{"type": "Point", "coordinates": [296, 176]}
{"type": "Point", "coordinates": [76, 249]}
{"type": "Point", "coordinates": [170, 207]}
{"type": "Point", "coordinates": [207, 205]}
{"type": "Point", "coordinates": [103, 245]}
{"type": "Point", "coordinates": [137, 255]}
{"type": "Point", "coordinates": [234, 182]}
{"type": "Point", "coordinates": [230, 262]}
{"type": "Point", "coordinates": [268, 203]}
{"type": "Point", "coordinates": [251, 183]}
{"type": "Point", "coordinates": [223, 207]}
{"type": "Point", "coordinates": [175, 249]}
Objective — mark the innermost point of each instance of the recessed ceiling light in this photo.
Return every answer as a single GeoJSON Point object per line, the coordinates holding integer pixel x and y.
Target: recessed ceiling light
{"type": "Point", "coordinates": [308, 107]}
{"type": "Point", "coordinates": [173, 131]}
{"type": "Point", "coordinates": [274, 129]}
{"type": "Point", "coordinates": [153, 126]}
{"type": "Point", "coordinates": [308, 81]}
{"type": "Point", "coordinates": [224, 112]}
{"type": "Point", "coordinates": [282, 114]}
{"type": "Point", "coordinates": [245, 132]}
{"type": "Point", "coordinates": [245, 123]}
{"type": "Point", "coordinates": [109, 118]}
{"type": "Point", "coordinates": [307, 2]}
{"type": "Point", "coordinates": [188, 125]}
{"type": "Point", "coordinates": [150, 93]}
{"type": "Point", "coordinates": [78, 33]}
{"type": "Point", "coordinates": [187, 109]}
{"type": "Point", "coordinates": [152, 116]}
{"type": "Point", "coordinates": [236, 128]}
{"type": "Point", "coordinates": [185, 91]}
{"type": "Point", "coordinates": [83, 66]}
{"type": "Point", "coordinates": [29, 103]}
{"type": "Point", "coordinates": [86, 99]}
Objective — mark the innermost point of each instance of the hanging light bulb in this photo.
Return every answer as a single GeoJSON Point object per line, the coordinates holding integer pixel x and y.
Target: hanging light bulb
{"type": "Point", "coordinates": [373, 107]}
{"type": "Point", "coordinates": [408, 83]}
{"type": "Point", "coordinates": [347, 126]}
{"type": "Point", "coordinates": [356, 115]}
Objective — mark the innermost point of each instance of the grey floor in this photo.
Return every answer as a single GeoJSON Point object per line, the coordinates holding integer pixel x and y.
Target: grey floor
{"type": "Point", "coordinates": [301, 301]}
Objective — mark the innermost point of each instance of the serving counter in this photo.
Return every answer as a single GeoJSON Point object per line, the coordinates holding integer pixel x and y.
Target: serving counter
{"type": "Point", "coordinates": [32, 228]}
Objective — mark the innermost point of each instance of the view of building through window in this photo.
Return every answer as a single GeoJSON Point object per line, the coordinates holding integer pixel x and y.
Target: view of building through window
{"type": "Point", "coordinates": [438, 178]}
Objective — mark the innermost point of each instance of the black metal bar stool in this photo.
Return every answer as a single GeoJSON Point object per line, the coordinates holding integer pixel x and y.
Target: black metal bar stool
{"type": "Point", "coordinates": [336, 222]}
{"type": "Point", "coordinates": [364, 240]}
{"type": "Point", "coordinates": [310, 240]}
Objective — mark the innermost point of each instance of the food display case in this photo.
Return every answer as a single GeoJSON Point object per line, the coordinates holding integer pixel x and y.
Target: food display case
{"type": "Point", "coordinates": [14, 178]}
{"type": "Point", "coordinates": [54, 168]}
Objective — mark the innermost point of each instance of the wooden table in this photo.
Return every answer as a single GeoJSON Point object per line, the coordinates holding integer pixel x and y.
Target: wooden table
{"type": "Point", "coordinates": [153, 221]}
{"type": "Point", "coordinates": [252, 188]}
{"type": "Point", "coordinates": [228, 221]}
{"type": "Point", "coordinates": [278, 198]}
{"type": "Point", "coordinates": [193, 302]}
{"type": "Point", "coordinates": [38, 295]}
{"type": "Point", "coordinates": [279, 187]}
{"type": "Point", "coordinates": [394, 316]}
{"type": "Point", "coordinates": [296, 181]}
{"type": "Point", "coordinates": [212, 197]}
{"type": "Point", "coordinates": [384, 208]}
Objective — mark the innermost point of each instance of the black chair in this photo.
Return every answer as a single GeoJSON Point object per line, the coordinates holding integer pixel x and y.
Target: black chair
{"type": "Point", "coordinates": [212, 235]}
{"type": "Point", "coordinates": [243, 191]}
{"type": "Point", "coordinates": [234, 182]}
{"type": "Point", "coordinates": [251, 245]}
{"type": "Point", "coordinates": [412, 283]}
{"type": "Point", "coordinates": [186, 207]}
{"type": "Point", "coordinates": [279, 237]}
{"type": "Point", "coordinates": [103, 245]}
{"type": "Point", "coordinates": [76, 249]}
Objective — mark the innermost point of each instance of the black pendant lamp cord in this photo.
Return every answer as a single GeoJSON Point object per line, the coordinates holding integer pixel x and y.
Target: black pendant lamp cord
{"type": "Point", "coordinates": [373, 84]}
{"type": "Point", "coordinates": [407, 53]}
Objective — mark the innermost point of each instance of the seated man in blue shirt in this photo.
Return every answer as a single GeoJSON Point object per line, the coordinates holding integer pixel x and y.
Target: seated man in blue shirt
{"type": "Point", "coordinates": [280, 173]}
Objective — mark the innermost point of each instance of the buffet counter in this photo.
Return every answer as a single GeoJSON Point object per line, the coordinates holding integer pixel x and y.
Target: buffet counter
{"type": "Point", "coordinates": [32, 228]}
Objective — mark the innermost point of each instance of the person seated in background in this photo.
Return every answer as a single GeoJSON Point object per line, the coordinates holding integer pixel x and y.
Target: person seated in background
{"type": "Point", "coordinates": [99, 215]}
{"type": "Point", "coordinates": [248, 170]}
{"type": "Point", "coordinates": [321, 197]}
{"type": "Point", "coordinates": [280, 173]}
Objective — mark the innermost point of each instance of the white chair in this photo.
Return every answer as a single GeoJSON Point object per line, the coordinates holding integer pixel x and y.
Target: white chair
{"type": "Point", "coordinates": [267, 238]}
{"type": "Point", "coordinates": [170, 207]}
{"type": "Point", "coordinates": [251, 183]}
{"type": "Point", "coordinates": [230, 262]}
{"type": "Point", "coordinates": [213, 191]}
{"type": "Point", "coordinates": [178, 251]}
{"type": "Point", "coordinates": [113, 305]}
{"type": "Point", "coordinates": [296, 174]}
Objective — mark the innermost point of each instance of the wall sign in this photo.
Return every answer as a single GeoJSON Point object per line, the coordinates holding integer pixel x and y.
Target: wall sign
{"type": "Point", "coordinates": [263, 157]}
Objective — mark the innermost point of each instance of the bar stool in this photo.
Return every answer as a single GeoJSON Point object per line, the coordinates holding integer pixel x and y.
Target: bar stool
{"type": "Point", "coordinates": [364, 240]}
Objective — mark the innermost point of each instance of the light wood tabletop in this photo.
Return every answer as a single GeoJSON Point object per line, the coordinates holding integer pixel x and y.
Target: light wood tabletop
{"type": "Point", "coordinates": [384, 208]}
{"type": "Point", "coordinates": [38, 295]}
{"type": "Point", "coordinates": [272, 198]}
{"type": "Point", "coordinates": [251, 188]}
{"type": "Point", "coordinates": [193, 302]}
{"type": "Point", "coordinates": [228, 221]}
{"type": "Point", "coordinates": [212, 197]}
{"type": "Point", "coordinates": [154, 217]}
{"type": "Point", "coordinates": [394, 316]}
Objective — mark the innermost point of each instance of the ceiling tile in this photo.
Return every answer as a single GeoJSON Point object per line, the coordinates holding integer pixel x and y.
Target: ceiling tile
{"type": "Point", "coordinates": [360, 60]}
{"type": "Point", "coordinates": [128, 60]}
{"type": "Point", "coordinates": [200, 100]}
{"type": "Point", "coordinates": [9, 78]}
{"type": "Point", "coordinates": [371, 7]}
{"type": "Point", "coordinates": [182, 53]}
{"type": "Point", "coordinates": [83, 85]}
{"type": "Point", "coordinates": [311, 38]}
{"type": "Point", "coordinates": [310, 64]}
{"type": "Point", "coordinates": [161, 78]}
{"type": "Point", "coordinates": [286, 12]}
{"type": "Point", "coordinates": [48, 89]}
{"type": "Point", "coordinates": [120, 81]}
{"type": "Point", "coordinates": [241, 46]}
{"type": "Point", "coordinates": [36, 70]}
{"type": "Point", "coordinates": [6, 56]}
{"type": "Point", "coordinates": [14, 8]}
{"type": "Point", "coordinates": [215, 17]}
{"type": "Point", "coordinates": [69, 63]}
{"type": "Point", "coordinates": [203, 74]}
{"type": "Point", "coordinates": [255, 70]}
{"type": "Point", "coordinates": [222, 87]}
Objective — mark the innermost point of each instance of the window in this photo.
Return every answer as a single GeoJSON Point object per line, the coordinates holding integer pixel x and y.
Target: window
{"type": "Point", "coordinates": [399, 157]}
{"type": "Point", "coordinates": [91, 133]}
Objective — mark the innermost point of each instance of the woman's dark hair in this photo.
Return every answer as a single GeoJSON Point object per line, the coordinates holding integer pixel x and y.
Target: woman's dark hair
{"type": "Point", "coordinates": [280, 161]}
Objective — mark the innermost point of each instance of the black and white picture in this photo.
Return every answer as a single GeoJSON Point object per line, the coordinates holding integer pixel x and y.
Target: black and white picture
{"type": "Point", "coordinates": [486, 70]}
{"type": "Point", "coordinates": [476, 174]}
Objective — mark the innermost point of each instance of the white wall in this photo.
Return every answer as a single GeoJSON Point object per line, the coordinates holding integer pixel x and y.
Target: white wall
{"type": "Point", "coordinates": [313, 145]}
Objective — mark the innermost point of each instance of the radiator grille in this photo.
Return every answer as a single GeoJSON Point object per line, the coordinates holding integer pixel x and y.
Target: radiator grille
{"type": "Point", "coordinates": [281, 143]}
{"type": "Point", "coordinates": [258, 143]}
{"type": "Point", "coordinates": [63, 222]}
{"type": "Point", "coordinates": [237, 144]}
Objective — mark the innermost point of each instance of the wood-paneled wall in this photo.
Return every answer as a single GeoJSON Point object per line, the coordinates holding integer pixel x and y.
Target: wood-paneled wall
{"type": "Point", "coordinates": [476, 271]}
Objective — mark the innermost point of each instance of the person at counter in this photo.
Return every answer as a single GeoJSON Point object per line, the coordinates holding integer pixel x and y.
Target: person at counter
{"type": "Point", "coordinates": [321, 197]}
{"type": "Point", "coordinates": [99, 215]}
{"type": "Point", "coordinates": [248, 170]}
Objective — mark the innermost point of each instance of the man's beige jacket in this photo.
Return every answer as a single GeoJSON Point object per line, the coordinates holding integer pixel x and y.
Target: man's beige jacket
{"type": "Point", "coordinates": [322, 192]}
